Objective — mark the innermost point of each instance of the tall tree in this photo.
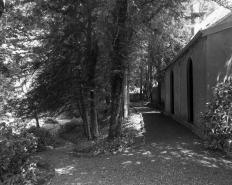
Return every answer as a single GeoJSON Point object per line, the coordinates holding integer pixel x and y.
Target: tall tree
{"type": "Point", "coordinates": [2, 7]}
{"type": "Point", "coordinates": [64, 74]}
{"type": "Point", "coordinates": [63, 49]}
{"type": "Point", "coordinates": [142, 14]}
{"type": "Point", "coordinates": [119, 55]}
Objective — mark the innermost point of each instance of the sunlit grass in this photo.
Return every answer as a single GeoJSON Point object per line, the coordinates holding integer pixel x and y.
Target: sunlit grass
{"type": "Point", "coordinates": [68, 170]}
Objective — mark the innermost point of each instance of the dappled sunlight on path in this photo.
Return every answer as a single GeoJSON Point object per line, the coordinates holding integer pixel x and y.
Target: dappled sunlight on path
{"type": "Point", "coordinates": [146, 109]}
{"type": "Point", "coordinates": [172, 155]}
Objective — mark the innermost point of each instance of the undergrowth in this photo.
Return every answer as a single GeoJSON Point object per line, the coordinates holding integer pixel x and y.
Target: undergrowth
{"type": "Point", "coordinates": [44, 137]}
{"type": "Point", "coordinates": [71, 131]}
{"type": "Point", "coordinates": [132, 134]}
{"type": "Point", "coordinates": [16, 145]}
{"type": "Point", "coordinates": [104, 146]}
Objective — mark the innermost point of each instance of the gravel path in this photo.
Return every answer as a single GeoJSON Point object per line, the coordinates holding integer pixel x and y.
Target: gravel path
{"type": "Point", "coordinates": [172, 155]}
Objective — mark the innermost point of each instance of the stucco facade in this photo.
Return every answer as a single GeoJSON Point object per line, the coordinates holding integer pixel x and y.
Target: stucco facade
{"type": "Point", "coordinates": [190, 77]}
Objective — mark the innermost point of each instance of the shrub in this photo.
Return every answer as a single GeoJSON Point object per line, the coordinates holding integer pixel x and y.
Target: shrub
{"type": "Point", "coordinates": [217, 120]}
{"type": "Point", "coordinates": [68, 128]}
{"type": "Point", "coordinates": [15, 147]}
{"type": "Point", "coordinates": [44, 137]}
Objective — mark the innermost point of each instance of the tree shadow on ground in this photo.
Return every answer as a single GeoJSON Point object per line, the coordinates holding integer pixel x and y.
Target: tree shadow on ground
{"type": "Point", "coordinates": [170, 140]}
{"type": "Point", "coordinates": [173, 149]}
{"type": "Point", "coordinates": [172, 155]}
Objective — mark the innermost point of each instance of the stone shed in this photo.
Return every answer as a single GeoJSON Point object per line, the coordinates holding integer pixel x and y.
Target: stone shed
{"type": "Point", "coordinates": [190, 77]}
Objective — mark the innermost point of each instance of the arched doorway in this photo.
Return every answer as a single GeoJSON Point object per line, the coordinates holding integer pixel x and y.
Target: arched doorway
{"type": "Point", "coordinates": [171, 92]}
{"type": "Point", "coordinates": [190, 90]}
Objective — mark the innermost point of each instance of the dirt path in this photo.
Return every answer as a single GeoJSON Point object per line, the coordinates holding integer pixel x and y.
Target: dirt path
{"type": "Point", "coordinates": [172, 155]}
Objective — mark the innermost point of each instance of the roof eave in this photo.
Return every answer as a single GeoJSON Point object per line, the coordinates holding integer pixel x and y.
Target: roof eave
{"type": "Point", "coordinates": [192, 41]}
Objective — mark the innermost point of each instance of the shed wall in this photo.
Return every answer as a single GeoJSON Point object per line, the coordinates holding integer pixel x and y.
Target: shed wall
{"type": "Point", "coordinates": [167, 90]}
{"type": "Point", "coordinates": [219, 55]}
{"type": "Point", "coordinates": [211, 58]}
{"type": "Point", "coordinates": [198, 56]}
{"type": "Point", "coordinates": [199, 79]}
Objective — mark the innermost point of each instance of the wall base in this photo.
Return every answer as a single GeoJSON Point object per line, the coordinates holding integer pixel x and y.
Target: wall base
{"type": "Point", "coordinates": [193, 128]}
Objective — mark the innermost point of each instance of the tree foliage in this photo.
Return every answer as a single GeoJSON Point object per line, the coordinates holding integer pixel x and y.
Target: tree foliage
{"type": "Point", "coordinates": [224, 3]}
{"type": "Point", "coordinates": [74, 56]}
{"type": "Point", "coordinates": [160, 39]}
{"type": "Point", "coordinates": [59, 56]}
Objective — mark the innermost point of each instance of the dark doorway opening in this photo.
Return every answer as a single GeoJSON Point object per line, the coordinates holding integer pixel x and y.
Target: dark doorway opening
{"type": "Point", "coordinates": [190, 90]}
{"type": "Point", "coordinates": [171, 92]}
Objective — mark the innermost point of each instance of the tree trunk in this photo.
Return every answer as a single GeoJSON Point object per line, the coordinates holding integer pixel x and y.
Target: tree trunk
{"type": "Point", "coordinates": [37, 120]}
{"type": "Point", "coordinates": [125, 95]}
{"type": "Point", "coordinates": [107, 98]}
{"type": "Point", "coordinates": [116, 109]}
{"type": "Point", "coordinates": [145, 96]}
{"type": "Point", "coordinates": [159, 92]}
{"type": "Point", "coordinates": [141, 84]}
{"type": "Point", "coordinates": [128, 86]}
{"type": "Point", "coordinates": [84, 112]}
{"type": "Point", "coordinates": [82, 116]}
{"type": "Point", "coordinates": [2, 7]}
{"type": "Point", "coordinates": [150, 80]}
{"type": "Point", "coordinates": [85, 119]}
{"type": "Point", "coordinates": [93, 116]}
{"type": "Point", "coordinates": [91, 62]}
{"type": "Point", "coordinates": [119, 54]}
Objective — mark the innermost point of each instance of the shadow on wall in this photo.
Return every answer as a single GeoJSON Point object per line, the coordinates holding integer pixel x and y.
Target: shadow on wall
{"type": "Point", "coordinates": [228, 66]}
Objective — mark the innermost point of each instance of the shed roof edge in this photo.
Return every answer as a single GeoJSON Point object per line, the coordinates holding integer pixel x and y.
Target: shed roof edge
{"type": "Point", "coordinates": [192, 41]}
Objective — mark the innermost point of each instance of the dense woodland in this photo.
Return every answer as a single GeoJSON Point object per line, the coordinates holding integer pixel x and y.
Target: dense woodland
{"type": "Point", "coordinates": [81, 58]}
{"type": "Point", "coordinates": [77, 56]}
